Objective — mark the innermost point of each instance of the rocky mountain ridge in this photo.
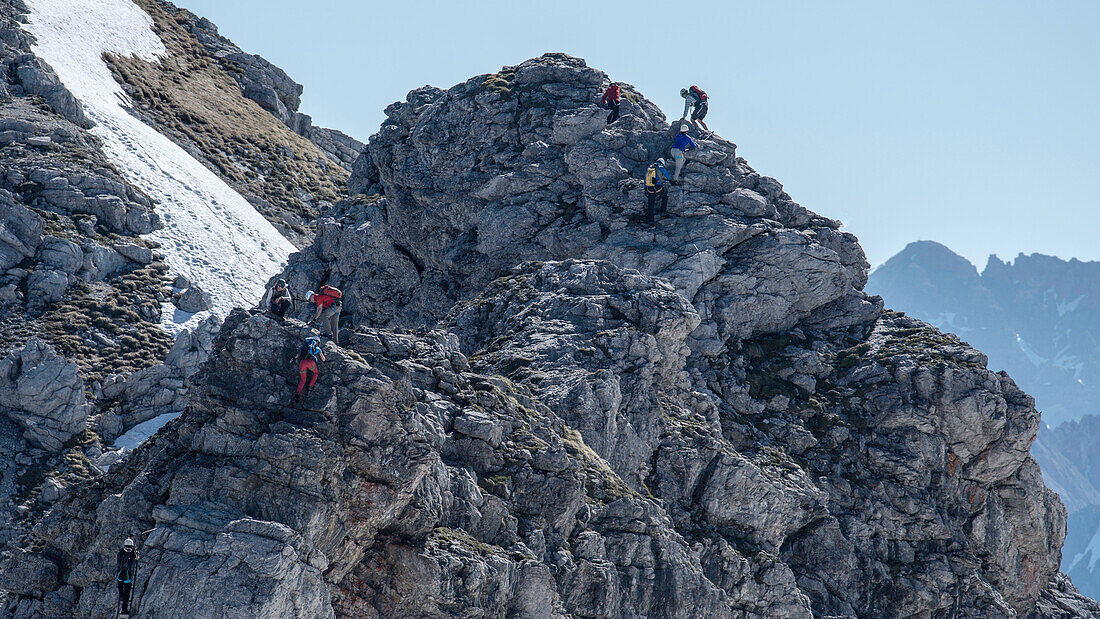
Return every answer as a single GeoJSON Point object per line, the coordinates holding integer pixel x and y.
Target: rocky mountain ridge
{"type": "Point", "coordinates": [545, 406]}
{"type": "Point", "coordinates": [1034, 316]}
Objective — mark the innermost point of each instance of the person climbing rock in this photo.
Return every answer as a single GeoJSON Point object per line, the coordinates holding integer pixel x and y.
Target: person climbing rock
{"type": "Point", "coordinates": [306, 359]}
{"type": "Point", "coordinates": [655, 188]}
{"type": "Point", "coordinates": [610, 100]}
{"type": "Point", "coordinates": [327, 299]}
{"type": "Point", "coordinates": [125, 570]}
{"type": "Point", "coordinates": [695, 101]}
{"type": "Point", "coordinates": [279, 300]}
{"type": "Point", "coordinates": [682, 144]}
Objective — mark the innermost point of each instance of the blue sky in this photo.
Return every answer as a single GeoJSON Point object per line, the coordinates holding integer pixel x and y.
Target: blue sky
{"type": "Point", "coordinates": [974, 124]}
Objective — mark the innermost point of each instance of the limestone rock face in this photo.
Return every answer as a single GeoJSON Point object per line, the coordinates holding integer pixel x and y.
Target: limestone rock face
{"type": "Point", "coordinates": [42, 392]}
{"type": "Point", "coordinates": [127, 400]}
{"type": "Point", "coordinates": [402, 462]}
{"type": "Point", "coordinates": [519, 166]}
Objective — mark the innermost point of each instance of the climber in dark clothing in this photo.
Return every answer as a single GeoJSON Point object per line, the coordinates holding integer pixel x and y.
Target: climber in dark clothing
{"type": "Point", "coordinates": [280, 299]}
{"type": "Point", "coordinates": [306, 359]}
{"type": "Point", "coordinates": [655, 189]}
{"type": "Point", "coordinates": [125, 570]}
{"type": "Point", "coordinates": [611, 98]}
{"type": "Point", "coordinates": [695, 101]}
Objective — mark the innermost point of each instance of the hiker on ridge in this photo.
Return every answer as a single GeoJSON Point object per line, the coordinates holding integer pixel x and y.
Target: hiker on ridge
{"type": "Point", "coordinates": [125, 569]}
{"type": "Point", "coordinates": [279, 300]}
{"type": "Point", "coordinates": [681, 145]}
{"type": "Point", "coordinates": [306, 359]}
{"type": "Point", "coordinates": [610, 100]}
{"type": "Point", "coordinates": [694, 97]}
{"type": "Point", "coordinates": [655, 188]}
{"type": "Point", "coordinates": [328, 304]}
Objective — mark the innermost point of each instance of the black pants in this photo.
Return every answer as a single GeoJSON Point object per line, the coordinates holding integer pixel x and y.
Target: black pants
{"type": "Point", "coordinates": [651, 198]}
{"type": "Point", "coordinates": [614, 115]}
{"type": "Point", "coordinates": [279, 307]}
{"type": "Point", "coordinates": [124, 595]}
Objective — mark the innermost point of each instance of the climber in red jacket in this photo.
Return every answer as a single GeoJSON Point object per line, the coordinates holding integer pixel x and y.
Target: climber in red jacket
{"type": "Point", "coordinates": [328, 302]}
{"type": "Point", "coordinates": [610, 100]}
{"type": "Point", "coordinates": [306, 359]}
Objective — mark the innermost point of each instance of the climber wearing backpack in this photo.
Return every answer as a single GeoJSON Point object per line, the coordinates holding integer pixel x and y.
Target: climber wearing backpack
{"type": "Point", "coordinates": [681, 145]}
{"type": "Point", "coordinates": [328, 304]}
{"type": "Point", "coordinates": [655, 188]}
{"type": "Point", "coordinates": [610, 100]}
{"type": "Point", "coordinates": [694, 97]}
{"type": "Point", "coordinates": [306, 359]}
{"type": "Point", "coordinates": [125, 570]}
{"type": "Point", "coordinates": [279, 300]}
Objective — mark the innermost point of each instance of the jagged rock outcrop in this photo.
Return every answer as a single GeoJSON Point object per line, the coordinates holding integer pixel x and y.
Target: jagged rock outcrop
{"type": "Point", "coordinates": [42, 392]}
{"type": "Point", "coordinates": [26, 74]}
{"type": "Point", "coordinates": [594, 416]}
{"type": "Point", "coordinates": [1035, 317]}
{"type": "Point", "coordinates": [518, 166]}
{"type": "Point", "coordinates": [126, 400]}
{"type": "Point", "coordinates": [407, 485]}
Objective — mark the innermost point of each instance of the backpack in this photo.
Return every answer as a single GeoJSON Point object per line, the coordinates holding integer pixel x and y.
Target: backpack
{"type": "Point", "coordinates": [331, 291]}
{"type": "Point", "coordinates": [651, 177]}
{"type": "Point", "coordinates": [310, 349]}
{"type": "Point", "coordinates": [699, 93]}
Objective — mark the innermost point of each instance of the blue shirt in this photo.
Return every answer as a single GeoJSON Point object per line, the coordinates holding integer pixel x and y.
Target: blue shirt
{"type": "Point", "coordinates": [684, 142]}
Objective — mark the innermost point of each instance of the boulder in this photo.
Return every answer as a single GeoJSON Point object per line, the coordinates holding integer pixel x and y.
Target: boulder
{"type": "Point", "coordinates": [100, 262]}
{"type": "Point", "coordinates": [43, 393]}
{"type": "Point", "coordinates": [20, 233]}
{"type": "Point", "coordinates": [60, 254]}
{"type": "Point", "coordinates": [194, 299]}
{"type": "Point", "coordinates": [135, 253]}
{"type": "Point", "coordinates": [45, 286]}
{"type": "Point", "coordinates": [38, 78]}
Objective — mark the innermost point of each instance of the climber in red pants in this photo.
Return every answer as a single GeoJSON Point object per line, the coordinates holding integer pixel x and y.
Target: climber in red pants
{"type": "Point", "coordinates": [306, 359]}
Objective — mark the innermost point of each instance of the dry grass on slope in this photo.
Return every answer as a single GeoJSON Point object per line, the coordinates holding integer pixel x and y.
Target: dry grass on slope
{"type": "Point", "coordinates": [188, 97]}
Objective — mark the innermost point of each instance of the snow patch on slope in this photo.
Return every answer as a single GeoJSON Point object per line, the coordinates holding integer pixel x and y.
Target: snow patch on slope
{"type": "Point", "coordinates": [211, 234]}
{"type": "Point", "coordinates": [142, 432]}
{"type": "Point", "coordinates": [1035, 358]}
{"type": "Point", "coordinates": [1091, 553]}
{"type": "Point", "coordinates": [1064, 307]}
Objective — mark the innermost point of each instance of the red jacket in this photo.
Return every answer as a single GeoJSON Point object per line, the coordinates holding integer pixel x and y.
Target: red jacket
{"type": "Point", "coordinates": [323, 300]}
{"type": "Point", "coordinates": [613, 93]}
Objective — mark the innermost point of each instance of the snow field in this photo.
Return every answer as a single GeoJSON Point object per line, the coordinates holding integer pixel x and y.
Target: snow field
{"type": "Point", "coordinates": [211, 234]}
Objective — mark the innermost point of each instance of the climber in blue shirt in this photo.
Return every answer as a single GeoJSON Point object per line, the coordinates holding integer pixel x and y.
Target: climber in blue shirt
{"type": "Point", "coordinates": [681, 145]}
